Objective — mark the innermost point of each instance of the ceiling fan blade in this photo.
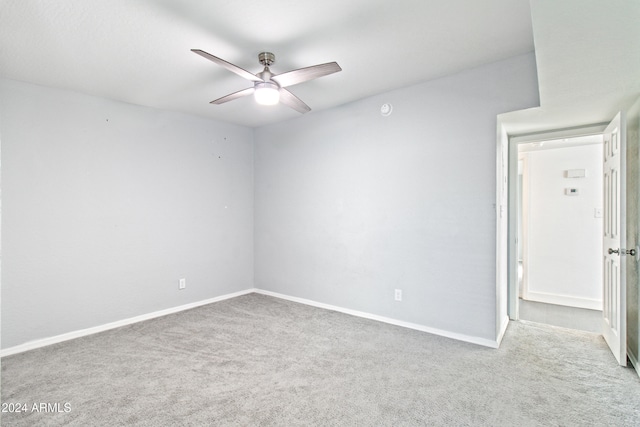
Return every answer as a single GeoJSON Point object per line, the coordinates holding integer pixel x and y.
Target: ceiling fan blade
{"type": "Point", "coordinates": [290, 100]}
{"type": "Point", "coordinates": [232, 96]}
{"type": "Point", "coordinates": [228, 65]}
{"type": "Point", "coordinates": [300, 75]}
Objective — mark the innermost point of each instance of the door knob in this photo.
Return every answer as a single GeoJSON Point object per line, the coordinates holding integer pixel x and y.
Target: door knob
{"type": "Point", "coordinates": [631, 252]}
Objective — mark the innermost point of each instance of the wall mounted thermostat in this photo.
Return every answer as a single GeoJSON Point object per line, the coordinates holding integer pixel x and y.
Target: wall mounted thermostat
{"type": "Point", "coordinates": [386, 109]}
{"type": "Point", "coordinates": [575, 173]}
{"type": "Point", "coordinates": [571, 191]}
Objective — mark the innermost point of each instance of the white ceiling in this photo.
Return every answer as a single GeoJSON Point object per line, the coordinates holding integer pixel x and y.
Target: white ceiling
{"type": "Point", "coordinates": [588, 58]}
{"type": "Point", "coordinates": [139, 51]}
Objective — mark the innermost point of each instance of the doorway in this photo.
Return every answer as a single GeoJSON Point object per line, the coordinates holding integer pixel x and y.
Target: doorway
{"type": "Point", "coordinates": [621, 257]}
{"type": "Point", "coordinates": [559, 232]}
{"type": "Point", "coordinates": [511, 179]}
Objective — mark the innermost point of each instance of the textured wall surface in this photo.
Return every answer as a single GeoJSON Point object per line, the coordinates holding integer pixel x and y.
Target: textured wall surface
{"type": "Point", "coordinates": [351, 205]}
{"type": "Point", "coordinates": [106, 205]}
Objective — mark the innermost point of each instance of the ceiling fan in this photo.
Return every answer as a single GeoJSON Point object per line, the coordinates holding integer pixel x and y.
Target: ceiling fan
{"type": "Point", "coordinates": [269, 88]}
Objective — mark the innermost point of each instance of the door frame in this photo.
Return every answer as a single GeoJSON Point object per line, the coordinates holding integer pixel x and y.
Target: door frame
{"type": "Point", "coordinates": [512, 196]}
{"type": "Point", "coordinates": [522, 206]}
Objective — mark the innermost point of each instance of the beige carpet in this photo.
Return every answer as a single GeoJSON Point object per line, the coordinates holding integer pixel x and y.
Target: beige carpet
{"type": "Point", "coordinates": [257, 360]}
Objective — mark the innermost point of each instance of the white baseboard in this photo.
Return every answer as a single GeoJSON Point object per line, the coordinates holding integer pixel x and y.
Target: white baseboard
{"type": "Point", "coordinates": [456, 336]}
{"type": "Point", "coordinates": [503, 329]}
{"type": "Point", "coordinates": [591, 304]}
{"type": "Point", "coordinates": [101, 328]}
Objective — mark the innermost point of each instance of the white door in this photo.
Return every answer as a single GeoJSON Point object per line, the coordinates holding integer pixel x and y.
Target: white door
{"type": "Point", "coordinates": [614, 290]}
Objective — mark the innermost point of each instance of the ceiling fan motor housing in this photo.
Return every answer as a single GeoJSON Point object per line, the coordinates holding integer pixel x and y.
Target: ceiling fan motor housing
{"type": "Point", "coordinates": [266, 58]}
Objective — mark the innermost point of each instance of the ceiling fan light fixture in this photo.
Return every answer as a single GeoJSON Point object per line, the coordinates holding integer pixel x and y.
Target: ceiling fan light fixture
{"type": "Point", "coordinates": [267, 93]}
{"type": "Point", "coordinates": [269, 88]}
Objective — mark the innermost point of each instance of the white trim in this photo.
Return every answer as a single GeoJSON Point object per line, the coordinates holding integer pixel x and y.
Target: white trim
{"type": "Point", "coordinates": [503, 329]}
{"type": "Point", "coordinates": [573, 132]}
{"type": "Point", "coordinates": [502, 227]}
{"type": "Point", "coordinates": [32, 345]}
{"type": "Point", "coordinates": [526, 214]}
{"type": "Point", "coordinates": [514, 141]}
{"type": "Point", "coordinates": [634, 362]}
{"type": "Point", "coordinates": [456, 336]}
{"type": "Point", "coordinates": [588, 303]}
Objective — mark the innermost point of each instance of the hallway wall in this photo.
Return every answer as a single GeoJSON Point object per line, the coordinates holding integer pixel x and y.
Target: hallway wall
{"type": "Point", "coordinates": [563, 236]}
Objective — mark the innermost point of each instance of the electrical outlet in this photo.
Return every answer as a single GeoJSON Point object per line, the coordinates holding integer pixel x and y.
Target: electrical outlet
{"type": "Point", "coordinates": [182, 284]}
{"type": "Point", "coordinates": [398, 295]}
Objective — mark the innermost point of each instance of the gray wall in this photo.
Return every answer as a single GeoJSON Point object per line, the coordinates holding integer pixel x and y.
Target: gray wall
{"type": "Point", "coordinates": [633, 232]}
{"type": "Point", "coordinates": [350, 205]}
{"type": "Point", "coordinates": [106, 205]}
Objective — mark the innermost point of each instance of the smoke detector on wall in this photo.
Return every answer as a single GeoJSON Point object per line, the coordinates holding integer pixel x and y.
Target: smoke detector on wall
{"type": "Point", "coordinates": [386, 109]}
